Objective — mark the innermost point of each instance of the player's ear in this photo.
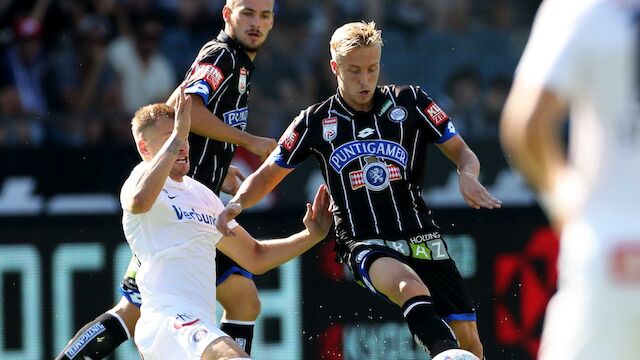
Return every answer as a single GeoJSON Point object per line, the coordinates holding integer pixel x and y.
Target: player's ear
{"type": "Point", "coordinates": [334, 67]}
{"type": "Point", "coordinates": [143, 148]}
{"type": "Point", "coordinates": [226, 13]}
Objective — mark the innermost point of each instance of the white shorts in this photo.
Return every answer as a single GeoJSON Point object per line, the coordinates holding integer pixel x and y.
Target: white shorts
{"type": "Point", "coordinates": [175, 333]}
{"type": "Point", "coordinates": [595, 313]}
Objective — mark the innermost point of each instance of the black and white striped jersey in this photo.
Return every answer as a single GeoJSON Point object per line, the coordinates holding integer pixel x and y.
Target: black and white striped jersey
{"type": "Point", "coordinates": [372, 161]}
{"type": "Point", "coordinates": [220, 74]}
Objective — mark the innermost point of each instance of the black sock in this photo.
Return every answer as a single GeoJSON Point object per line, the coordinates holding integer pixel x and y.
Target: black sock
{"type": "Point", "coordinates": [96, 340]}
{"type": "Point", "coordinates": [426, 327]}
{"type": "Point", "coordinates": [241, 332]}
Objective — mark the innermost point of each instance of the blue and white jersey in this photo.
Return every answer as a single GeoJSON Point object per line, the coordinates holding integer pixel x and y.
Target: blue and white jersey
{"type": "Point", "coordinates": [175, 243]}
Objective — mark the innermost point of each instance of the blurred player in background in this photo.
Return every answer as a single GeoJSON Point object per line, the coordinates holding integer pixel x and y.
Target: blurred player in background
{"type": "Point", "coordinates": [218, 84]}
{"type": "Point", "coordinates": [370, 143]}
{"type": "Point", "coordinates": [586, 66]}
{"type": "Point", "coordinates": [168, 220]}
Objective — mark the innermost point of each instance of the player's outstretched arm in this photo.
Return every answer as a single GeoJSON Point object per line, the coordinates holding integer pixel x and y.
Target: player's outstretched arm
{"type": "Point", "coordinates": [261, 256]}
{"type": "Point", "coordinates": [152, 180]}
{"type": "Point", "coordinates": [252, 190]}
{"type": "Point", "coordinates": [205, 123]}
{"type": "Point", "coordinates": [473, 192]}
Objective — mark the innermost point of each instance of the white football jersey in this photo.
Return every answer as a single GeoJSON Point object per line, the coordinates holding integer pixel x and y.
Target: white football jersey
{"type": "Point", "coordinates": [175, 243]}
{"type": "Point", "coordinates": [587, 52]}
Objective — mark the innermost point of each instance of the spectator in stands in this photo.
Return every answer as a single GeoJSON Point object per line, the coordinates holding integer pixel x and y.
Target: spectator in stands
{"type": "Point", "coordinates": [23, 67]}
{"type": "Point", "coordinates": [146, 74]}
{"type": "Point", "coordinates": [83, 78]}
{"type": "Point", "coordinates": [22, 72]}
{"type": "Point", "coordinates": [465, 95]}
{"type": "Point", "coordinates": [493, 102]}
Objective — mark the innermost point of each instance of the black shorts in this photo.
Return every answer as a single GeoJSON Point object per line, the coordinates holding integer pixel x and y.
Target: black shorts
{"type": "Point", "coordinates": [439, 273]}
{"type": "Point", "coordinates": [225, 267]}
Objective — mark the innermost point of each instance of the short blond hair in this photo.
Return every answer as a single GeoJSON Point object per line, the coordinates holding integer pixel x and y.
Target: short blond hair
{"type": "Point", "coordinates": [147, 116]}
{"type": "Point", "coordinates": [353, 36]}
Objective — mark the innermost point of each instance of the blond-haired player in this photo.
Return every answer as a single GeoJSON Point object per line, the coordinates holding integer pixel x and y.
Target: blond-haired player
{"type": "Point", "coordinates": [370, 142]}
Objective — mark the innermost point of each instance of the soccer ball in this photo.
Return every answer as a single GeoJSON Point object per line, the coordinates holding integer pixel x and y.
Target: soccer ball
{"type": "Point", "coordinates": [455, 354]}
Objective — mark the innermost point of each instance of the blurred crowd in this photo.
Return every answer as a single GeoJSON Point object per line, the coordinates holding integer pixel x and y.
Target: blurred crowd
{"type": "Point", "coordinates": [73, 71]}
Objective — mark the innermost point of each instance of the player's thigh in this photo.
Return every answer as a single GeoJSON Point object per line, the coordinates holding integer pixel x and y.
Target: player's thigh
{"type": "Point", "coordinates": [396, 280]}
{"type": "Point", "coordinates": [223, 348]}
{"type": "Point", "coordinates": [239, 294]}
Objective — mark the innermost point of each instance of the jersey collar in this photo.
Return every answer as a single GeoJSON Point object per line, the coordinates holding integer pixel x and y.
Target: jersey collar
{"type": "Point", "coordinates": [234, 44]}
{"type": "Point", "coordinates": [378, 101]}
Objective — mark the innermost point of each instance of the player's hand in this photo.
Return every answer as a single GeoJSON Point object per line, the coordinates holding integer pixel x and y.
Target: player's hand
{"type": "Point", "coordinates": [183, 114]}
{"type": "Point", "coordinates": [318, 217]}
{"type": "Point", "coordinates": [232, 181]}
{"type": "Point", "coordinates": [262, 146]}
{"type": "Point", "coordinates": [475, 194]}
{"type": "Point", "coordinates": [229, 213]}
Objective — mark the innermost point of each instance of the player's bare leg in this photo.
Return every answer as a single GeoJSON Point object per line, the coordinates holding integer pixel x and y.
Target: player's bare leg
{"type": "Point", "coordinates": [129, 313]}
{"type": "Point", "coordinates": [238, 296]}
{"type": "Point", "coordinates": [404, 287]}
{"type": "Point", "coordinates": [223, 348]}
{"type": "Point", "coordinates": [467, 334]}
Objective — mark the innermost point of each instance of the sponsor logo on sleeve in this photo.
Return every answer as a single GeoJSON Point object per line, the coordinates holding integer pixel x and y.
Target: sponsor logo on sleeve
{"type": "Point", "coordinates": [435, 114]}
{"type": "Point", "coordinates": [209, 72]}
{"type": "Point", "coordinates": [289, 139]}
{"type": "Point", "coordinates": [329, 128]}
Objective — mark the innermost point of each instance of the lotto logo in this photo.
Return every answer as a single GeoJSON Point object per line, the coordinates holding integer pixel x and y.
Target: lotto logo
{"type": "Point", "coordinates": [209, 73]}
{"type": "Point", "coordinates": [435, 114]}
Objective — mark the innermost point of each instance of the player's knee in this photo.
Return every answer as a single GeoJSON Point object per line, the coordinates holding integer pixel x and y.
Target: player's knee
{"type": "Point", "coordinates": [411, 288]}
{"type": "Point", "coordinates": [246, 308]}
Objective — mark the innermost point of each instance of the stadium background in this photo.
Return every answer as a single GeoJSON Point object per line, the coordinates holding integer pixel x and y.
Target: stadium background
{"type": "Point", "coordinates": [72, 74]}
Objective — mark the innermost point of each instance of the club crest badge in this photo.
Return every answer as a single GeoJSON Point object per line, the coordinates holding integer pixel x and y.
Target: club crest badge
{"type": "Point", "coordinates": [329, 128]}
{"type": "Point", "coordinates": [398, 114]}
{"type": "Point", "coordinates": [242, 80]}
{"type": "Point", "coordinates": [375, 176]}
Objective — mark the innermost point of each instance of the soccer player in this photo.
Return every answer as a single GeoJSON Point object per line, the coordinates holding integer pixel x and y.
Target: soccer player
{"type": "Point", "coordinates": [369, 142]}
{"type": "Point", "coordinates": [218, 83]}
{"type": "Point", "coordinates": [586, 66]}
{"type": "Point", "coordinates": [169, 222]}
